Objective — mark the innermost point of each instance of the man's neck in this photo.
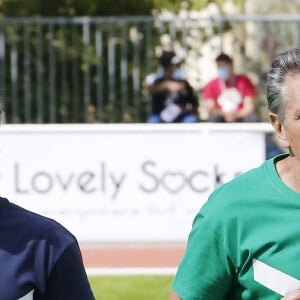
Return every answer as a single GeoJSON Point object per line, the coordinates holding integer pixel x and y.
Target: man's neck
{"type": "Point", "coordinates": [288, 170]}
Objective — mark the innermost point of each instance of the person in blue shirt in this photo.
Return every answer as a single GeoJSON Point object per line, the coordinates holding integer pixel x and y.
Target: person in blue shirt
{"type": "Point", "coordinates": [39, 258]}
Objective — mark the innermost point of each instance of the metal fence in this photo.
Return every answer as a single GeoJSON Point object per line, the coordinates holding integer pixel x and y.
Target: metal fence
{"type": "Point", "coordinates": [88, 69]}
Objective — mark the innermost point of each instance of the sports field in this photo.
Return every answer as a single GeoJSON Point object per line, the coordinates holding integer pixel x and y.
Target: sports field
{"type": "Point", "coordinates": [132, 272]}
{"type": "Point", "coordinates": [131, 287]}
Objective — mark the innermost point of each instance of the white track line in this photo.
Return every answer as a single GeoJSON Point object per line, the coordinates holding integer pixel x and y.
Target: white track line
{"type": "Point", "coordinates": [130, 271]}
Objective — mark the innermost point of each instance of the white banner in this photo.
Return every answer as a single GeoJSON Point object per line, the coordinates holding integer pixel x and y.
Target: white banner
{"type": "Point", "coordinates": [124, 183]}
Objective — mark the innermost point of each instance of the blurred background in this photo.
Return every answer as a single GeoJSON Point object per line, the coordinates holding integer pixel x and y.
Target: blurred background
{"type": "Point", "coordinates": [73, 97]}
{"type": "Point", "coordinates": [86, 62]}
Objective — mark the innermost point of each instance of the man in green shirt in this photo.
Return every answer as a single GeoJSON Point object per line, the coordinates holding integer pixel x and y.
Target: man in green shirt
{"type": "Point", "coordinates": [245, 241]}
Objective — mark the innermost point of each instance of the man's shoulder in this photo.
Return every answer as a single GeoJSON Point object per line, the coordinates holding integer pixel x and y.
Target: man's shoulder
{"type": "Point", "coordinates": [241, 189]}
{"type": "Point", "coordinates": [154, 78]}
{"type": "Point", "coordinates": [250, 176]}
{"type": "Point", "coordinates": [35, 226]}
{"type": "Point", "coordinates": [242, 78]}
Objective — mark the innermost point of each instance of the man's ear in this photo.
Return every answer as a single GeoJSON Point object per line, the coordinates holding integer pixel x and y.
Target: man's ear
{"type": "Point", "coordinates": [279, 130]}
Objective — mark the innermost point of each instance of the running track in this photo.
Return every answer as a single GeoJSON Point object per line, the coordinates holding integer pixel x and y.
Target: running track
{"type": "Point", "coordinates": [136, 257]}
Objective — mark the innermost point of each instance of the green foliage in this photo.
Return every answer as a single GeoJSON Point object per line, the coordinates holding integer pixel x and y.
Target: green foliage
{"type": "Point", "coordinates": [19, 8]}
{"type": "Point", "coordinates": [52, 59]}
{"type": "Point", "coordinates": [170, 5]}
{"type": "Point", "coordinates": [198, 4]}
{"type": "Point", "coordinates": [176, 5]}
{"type": "Point", "coordinates": [131, 287]}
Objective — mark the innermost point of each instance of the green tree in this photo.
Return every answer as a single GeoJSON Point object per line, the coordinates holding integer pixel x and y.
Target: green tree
{"type": "Point", "coordinates": [176, 5]}
{"type": "Point", "coordinates": [18, 8]}
{"type": "Point", "coordinates": [21, 8]}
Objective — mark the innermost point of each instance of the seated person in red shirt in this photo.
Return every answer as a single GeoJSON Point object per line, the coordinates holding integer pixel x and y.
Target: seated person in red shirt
{"type": "Point", "coordinates": [172, 98]}
{"type": "Point", "coordinates": [230, 97]}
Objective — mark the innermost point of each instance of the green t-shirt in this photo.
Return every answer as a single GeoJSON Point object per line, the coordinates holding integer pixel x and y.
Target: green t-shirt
{"type": "Point", "coordinates": [245, 241]}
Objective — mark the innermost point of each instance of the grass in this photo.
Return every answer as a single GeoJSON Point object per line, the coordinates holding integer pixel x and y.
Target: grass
{"type": "Point", "coordinates": [131, 287]}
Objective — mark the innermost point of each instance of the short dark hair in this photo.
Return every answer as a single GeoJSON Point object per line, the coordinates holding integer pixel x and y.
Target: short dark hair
{"type": "Point", "coordinates": [283, 64]}
{"type": "Point", "coordinates": [224, 58]}
{"type": "Point", "coordinates": [169, 58]}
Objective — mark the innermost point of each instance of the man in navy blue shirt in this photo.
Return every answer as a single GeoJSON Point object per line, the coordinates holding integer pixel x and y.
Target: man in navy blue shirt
{"type": "Point", "coordinates": [39, 258]}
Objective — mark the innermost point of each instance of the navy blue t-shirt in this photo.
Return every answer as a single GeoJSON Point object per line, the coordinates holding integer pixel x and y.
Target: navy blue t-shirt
{"type": "Point", "coordinates": [39, 258]}
{"type": "Point", "coordinates": [158, 100]}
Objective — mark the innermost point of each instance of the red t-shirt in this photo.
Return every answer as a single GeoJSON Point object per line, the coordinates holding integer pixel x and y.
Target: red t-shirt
{"type": "Point", "coordinates": [242, 83]}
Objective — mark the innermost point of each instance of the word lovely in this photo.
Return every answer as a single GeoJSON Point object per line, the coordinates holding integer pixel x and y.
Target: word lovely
{"type": "Point", "coordinates": [149, 177]}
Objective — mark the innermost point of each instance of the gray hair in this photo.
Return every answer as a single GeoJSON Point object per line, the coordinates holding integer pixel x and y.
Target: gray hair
{"type": "Point", "coordinates": [285, 63]}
